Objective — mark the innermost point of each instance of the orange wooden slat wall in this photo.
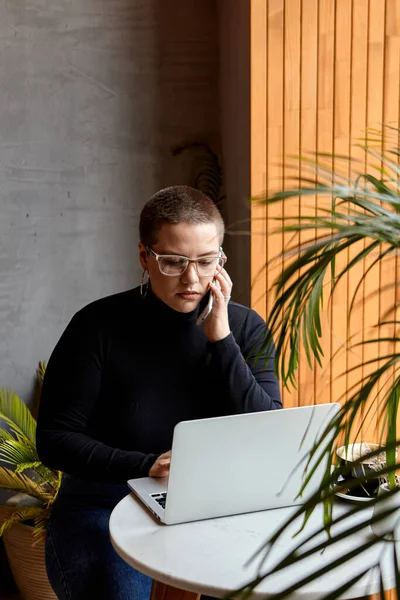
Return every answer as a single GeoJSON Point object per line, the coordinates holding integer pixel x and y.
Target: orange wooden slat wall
{"type": "Point", "coordinates": [321, 72]}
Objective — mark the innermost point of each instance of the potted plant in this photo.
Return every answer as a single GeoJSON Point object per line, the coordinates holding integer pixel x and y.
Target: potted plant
{"type": "Point", "coordinates": [23, 518]}
{"type": "Point", "coordinates": [361, 212]}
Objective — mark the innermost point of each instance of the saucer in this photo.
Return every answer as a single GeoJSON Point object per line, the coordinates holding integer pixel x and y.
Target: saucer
{"type": "Point", "coordinates": [357, 499]}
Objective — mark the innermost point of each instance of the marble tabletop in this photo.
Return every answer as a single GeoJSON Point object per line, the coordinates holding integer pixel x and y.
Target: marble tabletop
{"type": "Point", "coordinates": [211, 557]}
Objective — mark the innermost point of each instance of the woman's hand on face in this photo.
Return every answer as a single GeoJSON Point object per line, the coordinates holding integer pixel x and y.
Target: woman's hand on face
{"type": "Point", "coordinates": [161, 466]}
{"type": "Point", "coordinates": [216, 326]}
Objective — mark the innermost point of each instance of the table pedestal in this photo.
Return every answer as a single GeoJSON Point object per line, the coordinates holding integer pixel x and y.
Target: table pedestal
{"type": "Point", "coordinates": [161, 591]}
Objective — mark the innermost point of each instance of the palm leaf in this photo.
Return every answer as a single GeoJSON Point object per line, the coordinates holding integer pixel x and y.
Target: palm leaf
{"type": "Point", "coordinates": [310, 546]}
{"type": "Point", "coordinates": [42, 475]}
{"type": "Point", "coordinates": [299, 296]}
{"type": "Point", "coordinates": [24, 466]}
{"type": "Point", "coordinates": [22, 454]}
{"type": "Point", "coordinates": [27, 513]}
{"type": "Point", "coordinates": [39, 530]}
{"type": "Point", "coordinates": [360, 212]}
{"type": "Point", "coordinates": [16, 414]}
{"type": "Point", "coordinates": [5, 435]}
{"type": "Point", "coordinates": [40, 371]}
{"type": "Point", "coordinates": [21, 483]}
{"type": "Point", "coordinates": [16, 452]}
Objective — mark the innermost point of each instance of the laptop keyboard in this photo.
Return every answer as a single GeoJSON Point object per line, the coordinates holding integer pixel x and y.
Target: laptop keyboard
{"type": "Point", "coordinates": [160, 498]}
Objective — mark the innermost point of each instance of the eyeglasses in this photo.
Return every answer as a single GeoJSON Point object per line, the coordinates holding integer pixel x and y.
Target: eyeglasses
{"type": "Point", "coordinates": [174, 265]}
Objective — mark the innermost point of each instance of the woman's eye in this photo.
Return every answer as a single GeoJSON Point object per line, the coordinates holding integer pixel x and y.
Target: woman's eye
{"type": "Point", "coordinates": [206, 262]}
{"type": "Point", "coordinates": [172, 262]}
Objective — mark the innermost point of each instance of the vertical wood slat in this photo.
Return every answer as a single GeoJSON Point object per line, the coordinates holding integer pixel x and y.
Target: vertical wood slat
{"type": "Point", "coordinates": [358, 118]}
{"type": "Point", "coordinates": [308, 134]}
{"type": "Point", "coordinates": [325, 114]}
{"type": "Point", "coordinates": [291, 119]}
{"type": "Point", "coordinates": [318, 78]}
{"type": "Point", "coordinates": [341, 147]}
{"type": "Point", "coordinates": [376, 35]}
{"type": "Point", "coordinates": [391, 116]}
{"type": "Point", "coordinates": [258, 158]}
{"type": "Point", "coordinates": [275, 128]}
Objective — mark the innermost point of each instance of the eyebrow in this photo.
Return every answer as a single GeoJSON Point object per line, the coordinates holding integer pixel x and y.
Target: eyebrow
{"type": "Point", "coordinates": [211, 253]}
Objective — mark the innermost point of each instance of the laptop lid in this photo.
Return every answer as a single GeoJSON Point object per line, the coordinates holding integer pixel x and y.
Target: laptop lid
{"type": "Point", "coordinates": [243, 463]}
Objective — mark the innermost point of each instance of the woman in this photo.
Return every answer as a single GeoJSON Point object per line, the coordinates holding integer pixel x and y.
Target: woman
{"type": "Point", "coordinates": [127, 369]}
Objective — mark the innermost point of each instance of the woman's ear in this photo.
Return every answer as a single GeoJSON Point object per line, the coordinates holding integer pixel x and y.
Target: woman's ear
{"type": "Point", "coordinates": [143, 256]}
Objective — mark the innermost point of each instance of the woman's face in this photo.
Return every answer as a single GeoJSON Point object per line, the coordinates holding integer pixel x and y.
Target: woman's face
{"type": "Point", "coordinates": [183, 292]}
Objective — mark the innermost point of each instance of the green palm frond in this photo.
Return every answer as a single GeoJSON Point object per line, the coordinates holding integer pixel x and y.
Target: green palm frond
{"type": "Point", "coordinates": [41, 474]}
{"type": "Point", "coordinates": [358, 215]}
{"type": "Point", "coordinates": [41, 520]}
{"type": "Point", "coordinates": [40, 371]}
{"type": "Point", "coordinates": [5, 435]}
{"type": "Point", "coordinates": [28, 474]}
{"type": "Point", "coordinates": [15, 453]}
{"type": "Point", "coordinates": [341, 528]}
{"type": "Point", "coordinates": [19, 482]}
{"type": "Point", "coordinates": [27, 513]}
{"type": "Point", "coordinates": [23, 466]}
{"type": "Point", "coordinates": [16, 414]}
{"type": "Point", "coordinates": [23, 456]}
{"type": "Point", "coordinates": [358, 212]}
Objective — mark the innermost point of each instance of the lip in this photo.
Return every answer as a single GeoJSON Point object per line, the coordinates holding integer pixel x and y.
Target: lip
{"type": "Point", "coordinates": [189, 295]}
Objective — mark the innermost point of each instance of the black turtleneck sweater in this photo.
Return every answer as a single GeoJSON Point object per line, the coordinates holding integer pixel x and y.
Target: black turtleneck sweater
{"type": "Point", "coordinates": [127, 370]}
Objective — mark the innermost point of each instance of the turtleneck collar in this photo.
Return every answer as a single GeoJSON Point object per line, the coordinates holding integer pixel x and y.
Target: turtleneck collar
{"type": "Point", "coordinates": [159, 310]}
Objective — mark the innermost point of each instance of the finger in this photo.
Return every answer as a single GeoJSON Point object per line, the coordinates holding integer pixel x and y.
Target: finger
{"type": "Point", "coordinates": [160, 469]}
{"type": "Point", "coordinates": [160, 473]}
{"type": "Point", "coordinates": [217, 292]}
{"type": "Point", "coordinates": [225, 286]}
{"type": "Point", "coordinates": [224, 278]}
{"type": "Point", "coordinates": [227, 276]}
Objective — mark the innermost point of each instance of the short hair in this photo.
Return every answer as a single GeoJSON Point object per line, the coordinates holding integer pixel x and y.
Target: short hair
{"type": "Point", "coordinates": [174, 205]}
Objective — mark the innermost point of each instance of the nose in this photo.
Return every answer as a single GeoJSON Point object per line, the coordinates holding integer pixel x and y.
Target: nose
{"type": "Point", "coordinates": [190, 275]}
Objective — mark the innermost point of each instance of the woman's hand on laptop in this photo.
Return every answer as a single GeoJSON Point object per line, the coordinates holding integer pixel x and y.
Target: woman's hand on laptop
{"type": "Point", "coordinates": [161, 466]}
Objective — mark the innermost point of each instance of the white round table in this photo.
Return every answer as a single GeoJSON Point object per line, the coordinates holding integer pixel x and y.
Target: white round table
{"type": "Point", "coordinates": [211, 557]}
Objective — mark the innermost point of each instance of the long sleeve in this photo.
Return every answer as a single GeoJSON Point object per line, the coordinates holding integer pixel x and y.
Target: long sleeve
{"type": "Point", "coordinates": [250, 382]}
{"type": "Point", "coordinates": [71, 391]}
{"type": "Point", "coordinates": [121, 377]}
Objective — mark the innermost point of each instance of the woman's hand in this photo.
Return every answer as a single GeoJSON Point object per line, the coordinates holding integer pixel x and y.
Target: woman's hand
{"type": "Point", "coordinates": [216, 326]}
{"type": "Point", "coordinates": [161, 466]}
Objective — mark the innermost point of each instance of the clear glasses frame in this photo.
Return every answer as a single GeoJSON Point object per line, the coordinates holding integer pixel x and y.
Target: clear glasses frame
{"type": "Point", "coordinates": [173, 257]}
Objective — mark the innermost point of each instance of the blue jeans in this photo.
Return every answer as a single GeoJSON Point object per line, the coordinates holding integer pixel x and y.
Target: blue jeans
{"type": "Point", "coordinates": [80, 560]}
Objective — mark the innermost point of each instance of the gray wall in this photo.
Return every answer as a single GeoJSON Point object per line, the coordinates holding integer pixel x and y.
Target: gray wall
{"type": "Point", "coordinates": [94, 93]}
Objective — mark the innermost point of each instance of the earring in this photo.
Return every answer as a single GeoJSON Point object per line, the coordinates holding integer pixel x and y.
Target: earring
{"type": "Point", "coordinates": [144, 285]}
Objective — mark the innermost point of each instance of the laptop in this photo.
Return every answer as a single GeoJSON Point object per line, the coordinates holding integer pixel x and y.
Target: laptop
{"type": "Point", "coordinates": [237, 464]}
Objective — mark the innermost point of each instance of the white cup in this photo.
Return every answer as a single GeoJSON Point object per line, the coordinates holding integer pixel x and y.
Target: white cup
{"type": "Point", "coordinates": [388, 527]}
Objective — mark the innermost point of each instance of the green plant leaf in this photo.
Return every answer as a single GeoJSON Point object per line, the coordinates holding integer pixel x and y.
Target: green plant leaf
{"type": "Point", "coordinates": [357, 222]}
{"type": "Point", "coordinates": [16, 452]}
{"type": "Point", "coordinates": [21, 483]}
{"type": "Point", "coordinates": [16, 414]}
{"type": "Point", "coordinates": [5, 435]}
{"type": "Point", "coordinates": [27, 513]}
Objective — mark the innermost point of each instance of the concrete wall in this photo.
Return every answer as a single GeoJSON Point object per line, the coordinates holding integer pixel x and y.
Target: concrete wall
{"type": "Point", "coordinates": [93, 96]}
{"type": "Point", "coordinates": [234, 35]}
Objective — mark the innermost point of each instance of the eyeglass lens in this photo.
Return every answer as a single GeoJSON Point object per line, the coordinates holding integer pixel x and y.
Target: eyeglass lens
{"type": "Point", "coordinates": [177, 266]}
